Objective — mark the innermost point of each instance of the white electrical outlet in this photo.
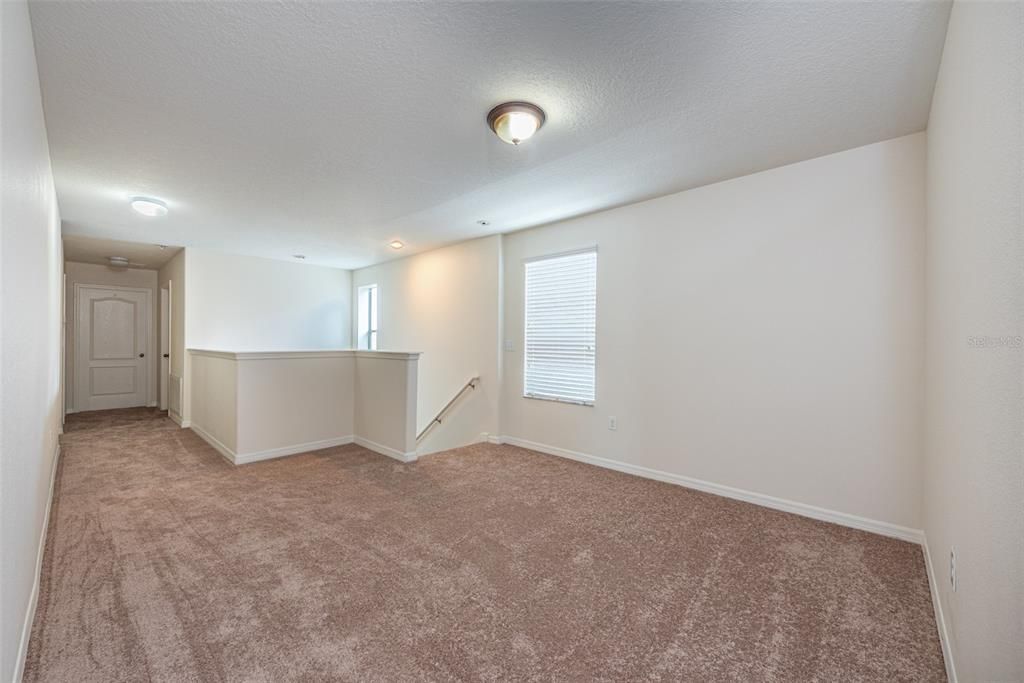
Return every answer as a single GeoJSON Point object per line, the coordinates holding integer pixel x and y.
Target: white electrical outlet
{"type": "Point", "coordinates": [952, 568]}
{"type": "Point", "coordinates": [613, 423]}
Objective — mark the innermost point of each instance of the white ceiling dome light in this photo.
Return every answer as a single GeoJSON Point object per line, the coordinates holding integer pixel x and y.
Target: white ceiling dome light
{"type": "Point", "coordinates": [515, 122]}
{"type": "Point", "coordinates": [149, 206]}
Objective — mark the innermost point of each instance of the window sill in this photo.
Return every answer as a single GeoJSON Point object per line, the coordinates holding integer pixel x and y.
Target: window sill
{"type": "Point", "coordinates": [555, 399]}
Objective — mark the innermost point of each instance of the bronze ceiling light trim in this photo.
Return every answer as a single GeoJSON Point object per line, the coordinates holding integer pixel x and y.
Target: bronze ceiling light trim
{"type": "Point", "coordinates": [514, 122]}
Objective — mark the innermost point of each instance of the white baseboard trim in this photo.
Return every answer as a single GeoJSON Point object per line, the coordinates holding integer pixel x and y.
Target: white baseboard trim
{"type": "Point", "coordinates": [422, 451]}
{"type": "Point", "coordinates": [940, 618]}
{"type": "Point", "coordinates": [178, 420]}
{"type": "Point", "coordinates": [269, 454]}
{"type": "Point", "coordinates": [209, 438]}
{"type": "Point", "coordinates": [33, 600]}
{"type": "Point", "coordinates": [386, 450]}
{"type": "Point", "coordinates": [843, 519]}
{"type": "Point", "coordinates": [244, 458]}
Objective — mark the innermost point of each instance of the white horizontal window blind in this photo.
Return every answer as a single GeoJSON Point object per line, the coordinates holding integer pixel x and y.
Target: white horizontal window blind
{"type": "Point", "coordinates": [561, 334]}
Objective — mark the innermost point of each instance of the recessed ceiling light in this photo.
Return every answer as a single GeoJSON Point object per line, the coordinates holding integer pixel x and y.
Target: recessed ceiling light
{"type": "Point", "coordinates": [514, 122]}
{"type": "Point", "coordinates": [483, 222]}
{"type": "Point", "coordinates": [396, 244]}
{"type": "Point", "coordinates": [301, 257]}
{"type": "Point", "coordinates": [149, 206]}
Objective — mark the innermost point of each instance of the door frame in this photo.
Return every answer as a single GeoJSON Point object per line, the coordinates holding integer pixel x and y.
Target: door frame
{"type": "Point", "coordinates": [76, 332]}
{"type": "Point", "coordinates": [164, 371]}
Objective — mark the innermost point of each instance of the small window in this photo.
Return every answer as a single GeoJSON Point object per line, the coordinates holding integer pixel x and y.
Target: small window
{"type": "Point", "coordinates": [367, 321]}
{"type": "Point", "coordinates": [561, 327]}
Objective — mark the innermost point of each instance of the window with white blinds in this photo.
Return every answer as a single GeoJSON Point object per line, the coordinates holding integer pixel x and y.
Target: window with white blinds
{"type": "Point", "coordinates": [561, 334]}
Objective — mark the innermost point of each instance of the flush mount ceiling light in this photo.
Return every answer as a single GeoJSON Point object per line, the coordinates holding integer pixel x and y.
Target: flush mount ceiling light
{"type": "Point", "coordinates": [396, 244]}
{"type": "Point", "coordinates": [149, 206]}
{"type": "Point", "coordinates": [514, 122]}
{"type": "Point", "coordinates": [301, 257]}
{"type": "Point", "coordinates": [118, 261]}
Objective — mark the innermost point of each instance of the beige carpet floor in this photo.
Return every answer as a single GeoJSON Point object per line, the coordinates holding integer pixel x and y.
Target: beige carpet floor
{"type": "Point", "coordinates": [164, 562]}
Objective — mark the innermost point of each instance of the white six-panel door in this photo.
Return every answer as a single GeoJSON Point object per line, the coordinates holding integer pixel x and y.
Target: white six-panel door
{"type": "Point", "coordinates": [111, 347]}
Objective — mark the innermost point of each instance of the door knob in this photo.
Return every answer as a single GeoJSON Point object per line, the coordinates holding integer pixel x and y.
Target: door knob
{"type": "Point", "coordinates": [167, 355]}
{"type": "Point", "coordinates": [142, 355]}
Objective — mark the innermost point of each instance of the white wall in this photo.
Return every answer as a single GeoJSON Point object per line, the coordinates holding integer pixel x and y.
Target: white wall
{"type": "Point", "coordinates": [172, 277]}
{"type": "Point", "coordinates": [974, 464]}
{"type": "Point", "coordinates": [214, 410]}
{"type": "Point", "coordinates": [445, 303]}
{"type": "Point", "coordinates": [30, 333]}
{"type": "Point", "coordinates": [295, 402]}
{"type": "Point", "coordinates": [246, 303]}
{"type": "Point", "coordinates": [385, 402]}
{"type": "Point", "coordinates": [763, 333]}
{"type": "Point", "coordinates": [258, 405]}
{"type": "Point", "coordinates": [93, 274]}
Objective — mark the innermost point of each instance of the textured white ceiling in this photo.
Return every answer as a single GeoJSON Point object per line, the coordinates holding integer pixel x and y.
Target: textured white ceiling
{"type": "Point", "coordinates": [329, 129]}
{"type": "Point", "coordinates": [83, 249]}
